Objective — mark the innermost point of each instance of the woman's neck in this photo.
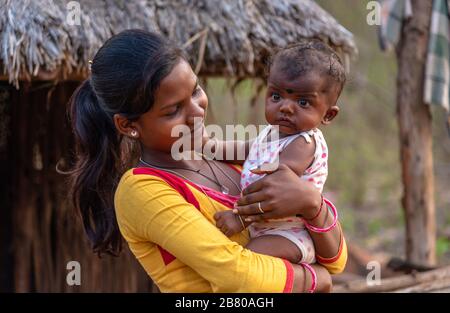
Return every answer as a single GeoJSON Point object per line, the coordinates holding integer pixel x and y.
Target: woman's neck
{"type": "Point", "coordinates": [196, 170]}
{"type": "Point", "coordinates": [165, 159]}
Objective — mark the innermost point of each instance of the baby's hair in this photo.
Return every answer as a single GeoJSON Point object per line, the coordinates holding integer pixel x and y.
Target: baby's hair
{"type": "Point", "coordinates": [311, 55]}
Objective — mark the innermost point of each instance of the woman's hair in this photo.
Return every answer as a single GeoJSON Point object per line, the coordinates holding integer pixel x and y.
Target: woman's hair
{"type": "Point", "coordinates": [125, 73]}
{"type": "Point", "coordinates": [312, 55]}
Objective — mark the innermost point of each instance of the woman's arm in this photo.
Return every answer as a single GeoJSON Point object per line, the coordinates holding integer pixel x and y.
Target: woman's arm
{"type": "Point", "coordinates": [158, 213]}
{"type": "Point", "coordinates": [283, 194]}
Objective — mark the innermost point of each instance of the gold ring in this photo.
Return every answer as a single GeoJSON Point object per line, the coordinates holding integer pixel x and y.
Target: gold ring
{"type": "Point", "coordinates": [259, 208]}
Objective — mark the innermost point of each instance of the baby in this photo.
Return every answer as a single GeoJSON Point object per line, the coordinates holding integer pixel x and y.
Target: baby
{"type": "Point", "coordinates": [304, 83]}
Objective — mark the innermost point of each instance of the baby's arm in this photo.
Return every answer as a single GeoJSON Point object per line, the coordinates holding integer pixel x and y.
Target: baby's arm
{"type": "Point", "coordinates": [298, 155]}
{"type": "Point", "coordinates": [232, 151]}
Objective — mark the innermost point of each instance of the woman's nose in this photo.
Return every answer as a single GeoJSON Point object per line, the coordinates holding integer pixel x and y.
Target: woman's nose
{"type": "Point", "coordinates": [196, 112]}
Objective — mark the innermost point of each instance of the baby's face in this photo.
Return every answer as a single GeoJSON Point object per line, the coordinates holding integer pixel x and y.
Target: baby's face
{"type": "Point", "coordinates": [300, 104]}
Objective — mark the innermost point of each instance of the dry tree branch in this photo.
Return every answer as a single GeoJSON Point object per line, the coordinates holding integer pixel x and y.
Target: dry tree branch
{"type": "Point", "coordinates": [203, 35]}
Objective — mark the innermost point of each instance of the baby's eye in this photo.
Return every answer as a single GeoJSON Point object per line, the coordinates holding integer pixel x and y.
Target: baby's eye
{"type": "Point", "coordinates": [275, 97]}
{"type": "Point", "coordinates": [303, 103]}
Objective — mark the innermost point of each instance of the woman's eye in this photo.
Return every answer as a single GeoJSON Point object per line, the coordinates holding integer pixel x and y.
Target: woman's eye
{"type": "Point", "coordinates": [174, 110]}
{"type": "Point", "coordinates": [275, 97]}
{"type": "Point", "coordinates": [303, 103]}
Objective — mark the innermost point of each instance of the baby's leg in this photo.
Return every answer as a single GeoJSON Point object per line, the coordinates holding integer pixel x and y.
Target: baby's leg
{"type": "Point", "coordinates": [293, 244]}
{"type": "Point", "coordinates": [276, 246]}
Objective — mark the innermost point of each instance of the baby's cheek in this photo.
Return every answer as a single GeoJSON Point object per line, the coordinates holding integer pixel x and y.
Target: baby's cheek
{"type": "Point", "coordinates": [305, 122]}
{"type": "Point", "coordinates": [270, 113]}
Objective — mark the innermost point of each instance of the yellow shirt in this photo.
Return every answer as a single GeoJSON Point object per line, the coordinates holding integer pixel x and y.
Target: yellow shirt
{"type": "Point", "coordinates": [169, 226]}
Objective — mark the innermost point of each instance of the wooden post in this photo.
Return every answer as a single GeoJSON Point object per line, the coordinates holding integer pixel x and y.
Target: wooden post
{"type": "Point", "coordinates": [6, 255]}
{"type": "Point", "coordinates": [414, 120]}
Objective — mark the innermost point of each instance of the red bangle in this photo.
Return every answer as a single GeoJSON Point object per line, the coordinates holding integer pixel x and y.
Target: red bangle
{"type": "Point", "coordinates": [313, 277]}
{"type": "Point", "coordinates": [326, 229]}
{"type": "Point", "coordinates": [318, 212]}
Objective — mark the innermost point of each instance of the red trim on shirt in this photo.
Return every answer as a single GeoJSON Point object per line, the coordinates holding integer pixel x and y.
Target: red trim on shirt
{"type": "Point", "coordinates": [234, 168]}
{"type": "Point", "coordinates": [226, 200]}
{"type": "Point", "coordinates": [290, 277]}
{"type": "Point", "coordinates": [176, 183]}
{"type": "Point", "coordinates": [179, 184]}
{"type": "Point", "coordinates": [166, 255]}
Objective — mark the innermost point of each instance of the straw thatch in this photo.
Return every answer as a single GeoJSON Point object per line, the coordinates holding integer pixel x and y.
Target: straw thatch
{"type": "Point", "coordinates": [231, 38]}
{"type": "Point", "coordinates": [38, 231]}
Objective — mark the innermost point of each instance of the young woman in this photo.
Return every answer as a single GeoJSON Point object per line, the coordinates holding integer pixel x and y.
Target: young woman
{"type": "Point", "coordinates": [141, 87]}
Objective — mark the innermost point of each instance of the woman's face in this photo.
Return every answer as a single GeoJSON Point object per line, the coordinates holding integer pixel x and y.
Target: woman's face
{"type": "Point", "coordinates": [178, 101]}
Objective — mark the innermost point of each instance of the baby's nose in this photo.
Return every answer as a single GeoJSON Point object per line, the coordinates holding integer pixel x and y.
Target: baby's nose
{"type": "Point", "coordinates": [287, 107]}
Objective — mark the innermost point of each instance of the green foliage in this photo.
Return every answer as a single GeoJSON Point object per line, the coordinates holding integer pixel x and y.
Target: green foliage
{"type": "Point", "coordinates": [375, 225]}
{"type": "Point", "coordinates": [442, 246]}
{"type": "Point", "coordinates": [347, 219]}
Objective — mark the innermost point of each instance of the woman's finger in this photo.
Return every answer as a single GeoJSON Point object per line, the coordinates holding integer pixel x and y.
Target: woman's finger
{"type": "Point", "coordinates": [250, 198]}
{"type": "Point", "coordinates": [259, 217]}
{"type": "Point", "coordinates": [258, 185]}
{"type": "Point", "coordinates": [257, 208]}
{"type": "Point", "coordinates": [255, 218]}
{"type": "Point", "coordinates": [265, 168]}
{"type": "Point", "coordinates": [253, 187]}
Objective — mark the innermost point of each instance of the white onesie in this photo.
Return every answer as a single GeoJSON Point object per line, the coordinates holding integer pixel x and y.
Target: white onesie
{"type": "Point", "coordinates": [267, 151]}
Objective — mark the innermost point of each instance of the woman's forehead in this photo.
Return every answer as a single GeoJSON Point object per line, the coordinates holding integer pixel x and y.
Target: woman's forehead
{"type": "Point", "coordinates": [178, 84]}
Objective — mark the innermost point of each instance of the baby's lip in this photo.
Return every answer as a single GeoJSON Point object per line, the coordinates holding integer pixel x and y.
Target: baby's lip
{"type": "Point", "coordinates": [283, 121]}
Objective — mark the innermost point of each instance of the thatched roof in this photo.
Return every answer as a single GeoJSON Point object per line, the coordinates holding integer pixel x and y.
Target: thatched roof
{"type": "Point", "coordinates": [37, 38]}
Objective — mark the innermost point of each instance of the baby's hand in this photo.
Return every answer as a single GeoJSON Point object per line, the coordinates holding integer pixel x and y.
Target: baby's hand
{"type": "Point", "coordinates": [228, 222]}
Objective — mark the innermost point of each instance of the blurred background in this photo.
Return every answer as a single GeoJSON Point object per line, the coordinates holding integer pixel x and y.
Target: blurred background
{"type": "Point", "coordinates": [39, 234]}
{"type": "Point", "coordinates": [364, 170]}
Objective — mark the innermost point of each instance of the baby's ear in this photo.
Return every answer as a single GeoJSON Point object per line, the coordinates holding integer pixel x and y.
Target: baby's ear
{"type": "Point", "coordinates": [330, 115]}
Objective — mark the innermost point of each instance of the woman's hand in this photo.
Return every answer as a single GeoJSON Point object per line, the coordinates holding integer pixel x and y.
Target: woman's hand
{"type": "Point", "coordinates": [279, 194]}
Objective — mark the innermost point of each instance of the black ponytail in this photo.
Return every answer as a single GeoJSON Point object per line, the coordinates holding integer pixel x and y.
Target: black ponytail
{"type": "Point", "coordinates": [125, 73]}
{"type": "Point", "coordinates": [96, 175]}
